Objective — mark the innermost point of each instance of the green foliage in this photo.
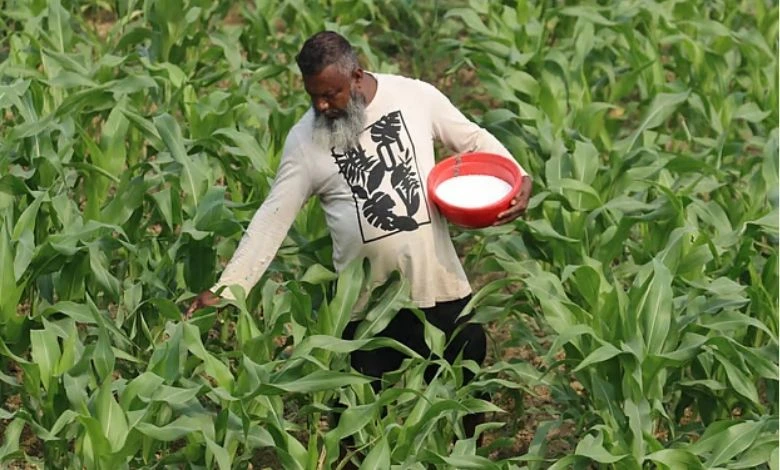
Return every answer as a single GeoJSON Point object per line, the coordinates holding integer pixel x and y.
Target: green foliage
{"type": "Point", "coordinates": [138, 137]}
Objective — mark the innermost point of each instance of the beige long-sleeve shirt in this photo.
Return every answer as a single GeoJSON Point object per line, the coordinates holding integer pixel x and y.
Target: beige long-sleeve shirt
{"type": "Point", "coordinates": [374, 196]}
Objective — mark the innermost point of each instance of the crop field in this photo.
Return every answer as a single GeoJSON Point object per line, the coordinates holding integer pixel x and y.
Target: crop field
{"type": "Point", "coordinates": [632, 312]}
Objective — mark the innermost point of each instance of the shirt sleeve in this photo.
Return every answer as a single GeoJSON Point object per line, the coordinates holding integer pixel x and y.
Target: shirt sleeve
{"type": "Point", "coordinates": [291, 188]}
{"type": "Point", "coordinates": [457, 132]}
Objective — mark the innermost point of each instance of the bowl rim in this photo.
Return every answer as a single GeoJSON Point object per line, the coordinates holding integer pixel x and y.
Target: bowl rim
{"type": "Point", "coordinates": [477, 157]}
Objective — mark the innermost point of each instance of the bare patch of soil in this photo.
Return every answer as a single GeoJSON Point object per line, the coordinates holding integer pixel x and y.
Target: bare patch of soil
{"type": "Point", "coordinates": [525, 411]}
{"type": "Point", "coordinates": [101, 21]}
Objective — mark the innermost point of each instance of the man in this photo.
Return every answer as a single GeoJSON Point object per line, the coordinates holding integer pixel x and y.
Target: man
{"type": "Point", "coordinates": [365, 149]}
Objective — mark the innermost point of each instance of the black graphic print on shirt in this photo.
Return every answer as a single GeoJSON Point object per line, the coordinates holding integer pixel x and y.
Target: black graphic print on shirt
{"type": "Point", "coordinates": [385, 180]}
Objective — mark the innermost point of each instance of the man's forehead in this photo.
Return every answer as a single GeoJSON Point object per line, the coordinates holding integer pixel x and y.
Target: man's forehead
{"type": "Point", "coordinates": [330, 76]}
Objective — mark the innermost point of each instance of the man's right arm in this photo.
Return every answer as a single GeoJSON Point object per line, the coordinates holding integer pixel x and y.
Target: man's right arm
{"type": "Point", "coordinates": [266, 232]}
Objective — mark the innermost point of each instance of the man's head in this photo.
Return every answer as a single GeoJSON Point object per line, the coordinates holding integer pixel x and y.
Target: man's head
{"type": "Point", "coordinates": [331, 75]}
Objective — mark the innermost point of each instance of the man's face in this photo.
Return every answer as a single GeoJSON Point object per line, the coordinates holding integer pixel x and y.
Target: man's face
{"type": "Point", "coordinates": [329, 91]}
{"type": "Point", "coordinates": [339, 109]}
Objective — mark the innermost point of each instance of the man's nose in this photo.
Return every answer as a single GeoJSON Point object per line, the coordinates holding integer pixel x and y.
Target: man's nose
{"type": "Point", "coordinates": [321, 105]}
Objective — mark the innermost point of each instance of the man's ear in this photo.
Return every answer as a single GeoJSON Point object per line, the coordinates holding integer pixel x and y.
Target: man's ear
{"type": "Point", "coordinates": [358, 74]}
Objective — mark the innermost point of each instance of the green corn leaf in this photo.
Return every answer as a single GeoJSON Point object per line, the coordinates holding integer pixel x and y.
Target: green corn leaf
{"type": "Point", "coordinates": [10, 94]}
{"type": "Point", "coordinates": [593, 448]}
{"type": "Point", "coordinates": [316, 381]}
{"type": "Point", "coordinates": [581, 196]}
{"type": "Point", "coordinates": [173, 72]}
{"type": "Point", "coordinates": [435, 338]}
{"type": "Point", "coordinates": [146, 383]}
{"type": "Point", "coordinates": [565, 462]}
{"type": "Point", "coordinates": [469, 461]}
{"type": "Point", "coordinates": [484, 292]}
{"type": "Point", "coordinates": [11, 292]}
{"type": "Point", "coordinates": [165, 205]}
{"type": "Point", "coordinates": [78, 312]}
{"type": "Point", "coordinates": [758, 454]}
{"type": "Point", "coordinates": [69, 416]}
{"type": "Point", "coordinates": [348, 289]}
{"type": "Point", "coordinates": [220, 454]}
{"type": "Point", "coordinates": [23, 234]}
{"type": "Point", "coordinates": [726, 443]}
{"type": "Point", "coordinates": [167, 308]}
{"type": "Point", "coordinates": [317, 274]}
{"type": "Point", "coordinates": [131, 192]}
{"type": "Point", "coordinates": [543, 229]}
{"type": "Point", "coordinates": [393, 299]}
{"type": "Point", "coordinates": [343, 346]}
{"type": "Point", "coordinates": [379, 456]}
{"type": "Point", "coordinates": [103, 357]}
{"type": "Point", "coordinates": [211, 214]}
{"type": "Point", "coordinates": [601, 354]}
{"type": "Point", "coordinates": [45, 352]}
{"type": "Point", "coordinates": [640, 423]}
{"type": "Point", "coordinates": [213, 366]}
{"type": "Point", "coordinates": [675, 458]}
{"type": "Point", "coordinates": [750, 112]}
{"type": "Point", "coordinates": [523, 82]}
{"type": "Point", "coordinates": [606, 394]}
{"type": "Point", "coordinates": [585, 160]}
{"type": "Point", "coordinates": [11, 435]}
{"type": "Point", "coordinates": [129, 85]}
{"type": "Point", "coordinates": [147, 128]}
{"type": "Point", "coordinates": [170, 395]}
{"type": "Point", "coordinates": [112, 419]}
{"type": "Point", "coordinates": [662, 107]}
{"type": "Point", "coordinates": [353, 419]}
{"type": "Point", "coordinates": [176, 429]}
{"type": "Point", "coordinates": [247, 147]}
{"type": "Point", "coordinates": [57, 64]}
{"type": "Point", "coordinates": [655, 308]}
{"type": "Point", "coordinates": [471, 18]}
{"type": "Point", "coordinates": [706, 384]}
{"type": "Point", "coordinates": [59, 26]}
{"type": "Point", "coordinates": [740, 381]}
{"type": "Point", "coordinates": [588, 13]}
{"type": "Point", "coordinates": [113, 142]}
{"type": "Point", "coordinates": [194, 179]}
{"type": "Point", "coordinates": [95, 444]}
{"type": "Point", "coordinates": [98, 262]}
{"type": "Point", "coordinates": [587, 281]}
{"type": "Point", "coordinates": [730, 321]}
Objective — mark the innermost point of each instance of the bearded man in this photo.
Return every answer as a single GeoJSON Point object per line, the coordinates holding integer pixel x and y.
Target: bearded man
{"type": "Point", "coordinates": [365, 148]}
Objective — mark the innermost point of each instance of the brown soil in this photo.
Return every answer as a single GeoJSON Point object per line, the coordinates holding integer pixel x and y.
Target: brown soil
{"type": "Point", "coordinates": [101, 21]}
{"type": "Point", "coordinates": [525, 411]}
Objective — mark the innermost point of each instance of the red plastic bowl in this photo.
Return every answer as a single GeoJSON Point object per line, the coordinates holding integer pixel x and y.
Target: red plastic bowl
{"type": "Point", "coordinates": [477, 163]}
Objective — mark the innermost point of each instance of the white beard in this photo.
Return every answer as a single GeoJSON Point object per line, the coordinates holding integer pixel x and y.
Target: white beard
{"type": "Point", "coordinates": [344, 131]}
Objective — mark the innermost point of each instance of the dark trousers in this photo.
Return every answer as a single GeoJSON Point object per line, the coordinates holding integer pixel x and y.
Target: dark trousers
{"type": "Point", "coordinates": [407, 329]}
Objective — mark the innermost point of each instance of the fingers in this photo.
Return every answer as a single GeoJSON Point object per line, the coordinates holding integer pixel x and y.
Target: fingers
{"type": "Point", "coordinates": [518, 205]}
{"type": "Point", "coordinates": [193, 306]}
{"type": "Point", "coordinates": [512, 209]}
{"type": "Point", "coordinates": [509, 215]}
{"type": "Point", "coordinates": [525, 191]}
{"type": "Point", "coordinates": [204, 299]}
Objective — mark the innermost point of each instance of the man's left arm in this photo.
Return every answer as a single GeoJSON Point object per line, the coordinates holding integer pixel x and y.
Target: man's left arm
{"type": "Point", "coordinates": [460, 134]}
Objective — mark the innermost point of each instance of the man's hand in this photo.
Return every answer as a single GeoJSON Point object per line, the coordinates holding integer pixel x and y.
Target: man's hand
{"type": "Point", "coordinates": [518, 205]}
{"type": "Point", "coordinates": [204, 299]}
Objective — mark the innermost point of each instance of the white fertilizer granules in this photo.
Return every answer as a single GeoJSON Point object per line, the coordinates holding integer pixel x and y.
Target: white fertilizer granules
{"type": "Point", "coordinates": [472, 191]}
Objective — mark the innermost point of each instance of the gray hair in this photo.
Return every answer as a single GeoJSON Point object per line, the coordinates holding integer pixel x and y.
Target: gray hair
{"type": "Point", "coordinates": [326, 48]}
